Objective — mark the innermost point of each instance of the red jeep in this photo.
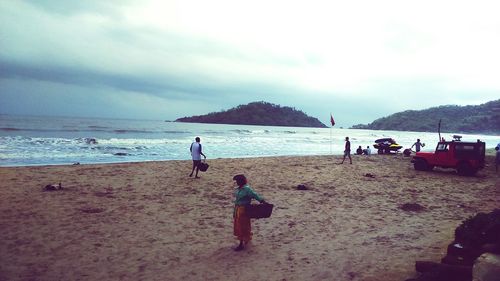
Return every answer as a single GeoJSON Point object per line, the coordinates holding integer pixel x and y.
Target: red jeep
{"type": "Point", "coordinates": [466, 157]}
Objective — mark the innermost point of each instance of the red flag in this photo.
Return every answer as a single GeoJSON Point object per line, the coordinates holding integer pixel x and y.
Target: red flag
{"type": "Point", "coordinates": [331, 120]}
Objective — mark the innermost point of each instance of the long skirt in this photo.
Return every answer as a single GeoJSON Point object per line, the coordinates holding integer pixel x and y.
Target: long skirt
{"type": "Point", "coordinates": [242, 226]}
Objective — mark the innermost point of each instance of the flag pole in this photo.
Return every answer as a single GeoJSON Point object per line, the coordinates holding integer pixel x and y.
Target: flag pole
{"type": "Point", "coordinates": [331, 140]}
{"type": "Point", "coordinates": [333, 124]}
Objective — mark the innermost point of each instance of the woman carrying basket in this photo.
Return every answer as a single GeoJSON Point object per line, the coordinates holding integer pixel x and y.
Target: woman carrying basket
{"type": "Point", "coordinates": [243, 196]}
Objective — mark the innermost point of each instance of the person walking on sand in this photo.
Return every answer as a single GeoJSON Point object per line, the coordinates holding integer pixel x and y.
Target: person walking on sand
{"type": "Point", "coordinates": [196, 153]}
{"type": "Point", "coordinates": [418, 145]}
{"type": "Point", "coordinates": [347, 150]}
{"type": "Point", "coordinates": [497, 157]}
{"type": "Point", "coordinates": [243, 194]}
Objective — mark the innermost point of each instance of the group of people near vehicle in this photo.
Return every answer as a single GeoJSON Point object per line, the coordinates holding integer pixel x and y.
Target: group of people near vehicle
{"type": "Point", "coordinates": [367, 151]}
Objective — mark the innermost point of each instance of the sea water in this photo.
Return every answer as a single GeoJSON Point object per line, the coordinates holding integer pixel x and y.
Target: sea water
{"type": "Point", "coordinates": [34, 140]}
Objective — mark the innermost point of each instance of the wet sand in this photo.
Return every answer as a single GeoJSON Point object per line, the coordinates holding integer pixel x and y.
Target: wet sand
{"type": "Point", "coordinates": [150, 221]}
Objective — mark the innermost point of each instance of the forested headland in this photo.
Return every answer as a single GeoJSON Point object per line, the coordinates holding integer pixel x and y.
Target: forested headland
{"type": "Point", "coordinates": [258, 113]}
{"type": "Point", "coordinates": [484, 118]}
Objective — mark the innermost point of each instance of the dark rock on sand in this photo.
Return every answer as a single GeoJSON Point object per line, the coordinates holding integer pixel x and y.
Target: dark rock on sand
{"type": "Point", "coordinates": [52, 187]}
{"type": "Point", "coordinates": [302, 187]}
{"type": "Point", "coordinates": [412, 207]}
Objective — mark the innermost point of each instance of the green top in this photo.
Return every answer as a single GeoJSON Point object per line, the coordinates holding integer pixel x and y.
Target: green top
{"type": "Point", "coordinates": [244, 195]}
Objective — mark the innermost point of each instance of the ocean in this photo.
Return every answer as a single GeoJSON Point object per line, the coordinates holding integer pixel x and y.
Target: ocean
{"type": "Point", "coordinates": [35, 140]}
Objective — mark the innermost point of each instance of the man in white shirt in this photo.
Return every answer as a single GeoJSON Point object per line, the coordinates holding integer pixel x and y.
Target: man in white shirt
{"type": "Point", "coordinates": [196, 155]}
{"type": "Point", "coordinates": [367, 151]}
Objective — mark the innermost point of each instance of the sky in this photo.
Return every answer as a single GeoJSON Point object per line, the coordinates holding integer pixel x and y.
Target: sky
{"type": "Point", "coordinates": [357, 60]}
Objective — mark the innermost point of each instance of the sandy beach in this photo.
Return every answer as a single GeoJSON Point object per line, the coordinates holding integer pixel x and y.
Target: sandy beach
{"type": "Point", "coordinates": [150, 221]}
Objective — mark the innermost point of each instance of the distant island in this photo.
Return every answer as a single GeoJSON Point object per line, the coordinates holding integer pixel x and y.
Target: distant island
{"type": "Point", "coordinates": [484, 118]}
{"type": "Point", "coordinates": [258, 113]}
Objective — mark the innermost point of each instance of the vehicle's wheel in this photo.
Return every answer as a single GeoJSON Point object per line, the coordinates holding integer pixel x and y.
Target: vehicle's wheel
{"type": "Point", "coordinates": [421, 165]}
{"type": "Point", "coordinates": [465, 169]}
{"type": "Point", "coordinates": [380, 151]}
{"type": "Point", "coordinates": [387, 151]}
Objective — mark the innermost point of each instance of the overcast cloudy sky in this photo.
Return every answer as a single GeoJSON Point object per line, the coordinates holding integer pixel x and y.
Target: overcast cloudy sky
{"type": "Point", "coordinates": [360, 60]}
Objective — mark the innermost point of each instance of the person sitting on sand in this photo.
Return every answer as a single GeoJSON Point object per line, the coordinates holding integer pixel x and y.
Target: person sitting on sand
{"type": "Point", "coordinates": [359, 151]}
{"type": "Point", "coordinates": [347, 150]}
{"type": "Point", "coordinates": [367, 151]}
{"type": "Point", "coordinates": [243, 196]}
{"type": "Point", "coordinates": [196, 155]}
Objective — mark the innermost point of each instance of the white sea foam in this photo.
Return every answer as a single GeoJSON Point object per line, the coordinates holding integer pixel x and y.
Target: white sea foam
{"type": "Point", "coordinates": [50, 140]}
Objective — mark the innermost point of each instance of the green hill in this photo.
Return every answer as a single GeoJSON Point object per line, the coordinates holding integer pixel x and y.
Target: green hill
{"type": "Point", "coordinates": [484, 118]}
{"type": "Point", "coordinates": [258, 113]}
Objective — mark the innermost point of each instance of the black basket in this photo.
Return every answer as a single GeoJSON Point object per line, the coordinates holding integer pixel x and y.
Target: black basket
{"type": "Point", "coordinates": [259, 211]}
{"type": "Point", "coordinates": [203, 166]}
